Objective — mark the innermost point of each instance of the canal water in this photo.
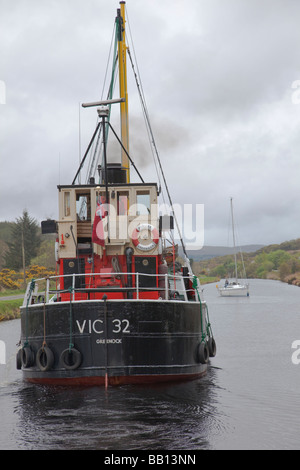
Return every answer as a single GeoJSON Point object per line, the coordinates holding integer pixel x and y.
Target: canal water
{"type": "Point", "coordinates": [250, 398]}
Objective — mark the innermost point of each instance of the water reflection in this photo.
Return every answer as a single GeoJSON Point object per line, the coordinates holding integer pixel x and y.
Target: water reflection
{"type": "Point", "coordinates": [181, 416]}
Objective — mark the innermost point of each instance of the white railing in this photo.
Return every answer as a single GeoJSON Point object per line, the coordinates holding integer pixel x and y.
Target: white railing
{"type": "Point", "coordinates": [170, 286]}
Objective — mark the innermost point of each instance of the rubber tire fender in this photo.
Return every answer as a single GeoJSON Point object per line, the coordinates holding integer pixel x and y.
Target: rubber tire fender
{"type": "Point", "coordinates": [19, 359]}
{"type": "Point", "coordinates": [71, 358]}
{"type": "Point", "coordinates": [212, 347]}
{"type": "Point", "coordinates": [203, 353]}
{"type": "Point", "coordinates": [45, 358]}
{"type": "Point", "coordinates": [27, 357]}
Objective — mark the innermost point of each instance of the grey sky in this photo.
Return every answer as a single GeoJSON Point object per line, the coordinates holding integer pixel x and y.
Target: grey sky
{"type": "Point", "coordinates": [217, 75]}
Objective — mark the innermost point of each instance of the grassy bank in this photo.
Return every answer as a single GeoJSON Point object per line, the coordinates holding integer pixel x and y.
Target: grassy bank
{"type": "Point", "coordinates": [7, 293]}
{"type": "Point", "coordinates": [10, 309]}
{"type": "Point", "coordinates": [208, 279]}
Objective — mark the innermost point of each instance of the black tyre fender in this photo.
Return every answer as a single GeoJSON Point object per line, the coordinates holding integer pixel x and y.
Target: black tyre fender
{"type": "Point", "coordinates": [19, 359]}
{"type": "Point", "coordinates": [27, 357]}
{"type": "Point", "coordinates": [203, 353]}
{"type": "Point", "coordinates": [71, 358]}
{"type": "Point", "coordinates": [45, 358]}
{"type": "Point", "coordinates": [212, 347]}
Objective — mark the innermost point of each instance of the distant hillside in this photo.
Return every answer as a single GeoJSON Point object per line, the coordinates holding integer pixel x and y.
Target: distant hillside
{"type": "Point", "coordinates": [280, 262]}
{"type": "Point", "coordinates": [208, 252]}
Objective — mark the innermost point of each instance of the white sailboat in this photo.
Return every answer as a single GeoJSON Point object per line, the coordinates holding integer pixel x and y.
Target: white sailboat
{"type": "Point", "coordinates": [234, 287]}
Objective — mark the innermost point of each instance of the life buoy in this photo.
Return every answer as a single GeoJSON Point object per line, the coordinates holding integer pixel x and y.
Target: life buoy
{"type": "Point", "coordinates": [71, 358]}
{"type": "Point", "coordinates": [44, 359]}
{"type": "Point", "coordinates": [138, 244]}
{"type": "Point", "coordinates": [27, 357]}
{"type": "Point", "coordinates": [202, 353]}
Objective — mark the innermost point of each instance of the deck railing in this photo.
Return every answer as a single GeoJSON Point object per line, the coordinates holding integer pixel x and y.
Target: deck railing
{"type": "Point", "coordinates": [45, 290]}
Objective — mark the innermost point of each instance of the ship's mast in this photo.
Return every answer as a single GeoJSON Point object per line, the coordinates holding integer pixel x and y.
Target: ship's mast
{"type": "Point", "coordinates": [233, 235]}
{"type": "Point", "coordinates": [122, 50]}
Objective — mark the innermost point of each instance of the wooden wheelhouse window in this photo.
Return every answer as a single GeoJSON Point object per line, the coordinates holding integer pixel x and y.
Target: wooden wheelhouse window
{"type": "Point", "coordinates": [143, 203]}
{"type": "Point", "coordinates": [83, 207]}
{"type": "Point", "coordinates": [67, 204]}
{"type": "Point", "coordinates": [123, 202]}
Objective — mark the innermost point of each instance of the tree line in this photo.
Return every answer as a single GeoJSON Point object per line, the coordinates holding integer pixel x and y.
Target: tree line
{"type": "Point", "coordinates": [24, 242]}
{"type": "Point", "coordinates": [24, 253]}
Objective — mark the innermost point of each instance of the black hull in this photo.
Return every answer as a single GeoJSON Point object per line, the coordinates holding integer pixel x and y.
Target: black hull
{"type": "Point", "coordinates": [118, 342]}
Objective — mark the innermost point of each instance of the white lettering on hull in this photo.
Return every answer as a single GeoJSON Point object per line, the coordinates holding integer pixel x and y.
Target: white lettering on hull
{"type": "Point", "coordinates": [116, 326]}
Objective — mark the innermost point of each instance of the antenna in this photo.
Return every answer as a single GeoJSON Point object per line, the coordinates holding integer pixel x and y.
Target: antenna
{"type": "Point", "coordinates": [79, 139]}
{"type": "Point", "coordinates": [103, 103]}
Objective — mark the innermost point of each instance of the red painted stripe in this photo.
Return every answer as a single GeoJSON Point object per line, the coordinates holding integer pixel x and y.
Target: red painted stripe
{"type": "Point", "coordinates": [120, 380]}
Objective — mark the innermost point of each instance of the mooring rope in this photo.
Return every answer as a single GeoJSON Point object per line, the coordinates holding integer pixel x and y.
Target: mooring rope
{"type": "Point", "coordinates": [208, 326]}
{"type": "Point", "coordinates": [71, 344]}
{"type": "Point", "coordinates": [31, 289]}
{"type": "Point", "coordinates": [44, 315]}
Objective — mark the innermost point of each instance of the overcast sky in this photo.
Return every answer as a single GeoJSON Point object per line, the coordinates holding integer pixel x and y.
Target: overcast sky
{"type": "Point", "coordinates": [220, 80]}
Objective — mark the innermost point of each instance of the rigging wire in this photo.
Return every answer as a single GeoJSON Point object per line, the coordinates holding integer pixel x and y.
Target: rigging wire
{"type": "Point", "coordinates": [108, 60]}
{"type": "Point", "coordinates": [146, 114]}
{"type": "Point", "coordinates": [238, 244]}
{"type": "Point", "coordinates": [95, 156]}
{"type": "Point", "coordinates": [142, 97]}
{"type": "Point", "coordinates": [138, 80]}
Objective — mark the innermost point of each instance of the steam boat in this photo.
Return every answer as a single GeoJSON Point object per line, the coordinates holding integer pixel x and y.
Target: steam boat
{"type": "Point", "coordinates": [121, 309]}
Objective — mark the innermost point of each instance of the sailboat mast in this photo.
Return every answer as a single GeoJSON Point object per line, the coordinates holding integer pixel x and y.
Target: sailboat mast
{"type": "Point", "coordinates": [122, 50]}
{"type": "Point", "coordinates": [233, 235]}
